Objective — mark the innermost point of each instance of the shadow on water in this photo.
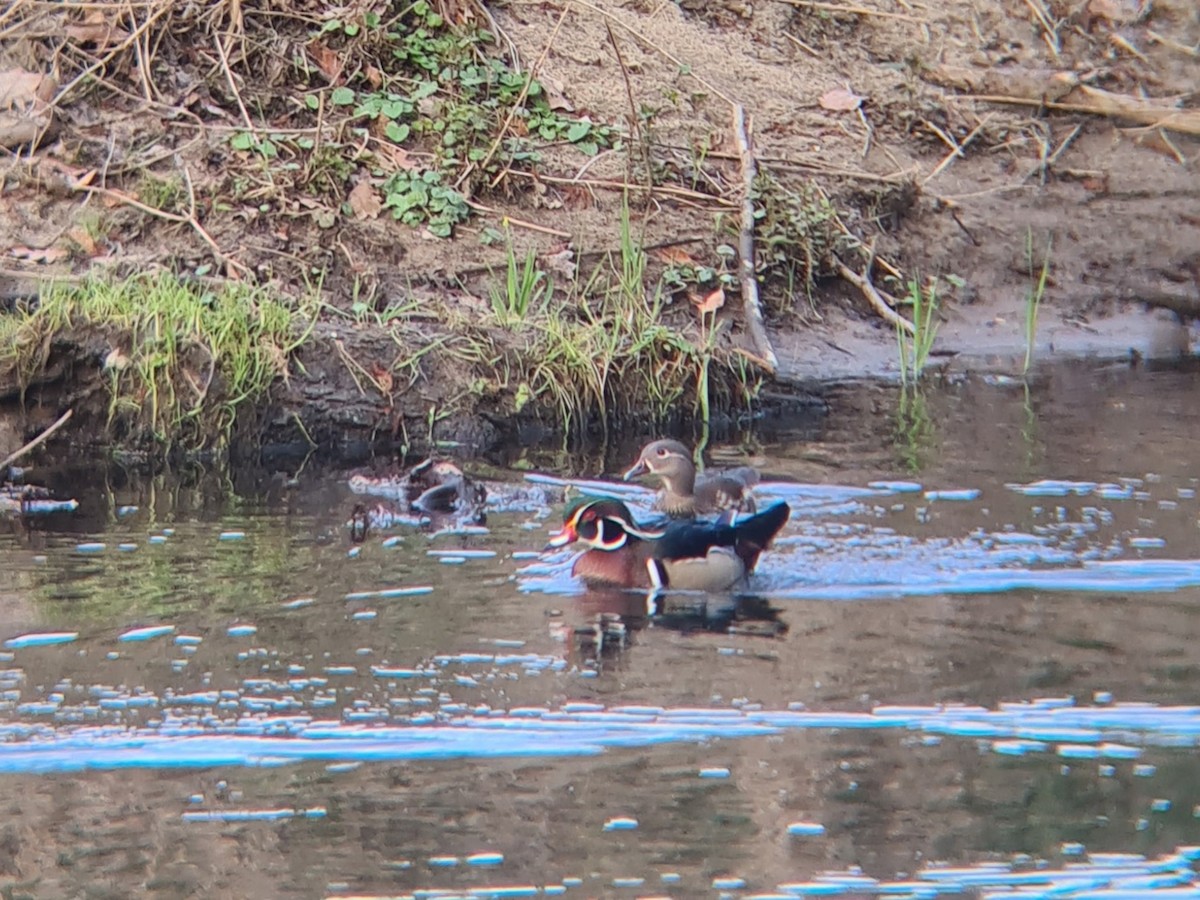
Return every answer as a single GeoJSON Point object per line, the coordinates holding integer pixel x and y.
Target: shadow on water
{"type": "Point", "coordinates": [968, 665]}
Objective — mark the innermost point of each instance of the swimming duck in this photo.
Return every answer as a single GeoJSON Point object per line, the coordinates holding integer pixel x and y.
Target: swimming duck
{"type": "Point", "coordinates": [445, 489]}
{"type": "Point", "coordinates": [683, 555]}
{"type": "Point", "coordinates": [683, 494]}
{"type": "Point", "coordinates": [434, 487]}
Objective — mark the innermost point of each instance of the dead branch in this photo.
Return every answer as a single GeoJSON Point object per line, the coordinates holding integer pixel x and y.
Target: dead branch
{"type": "Point", "coordinates": [41, 438]}
{"type": "Point", "coordinates": [750, 304]}
{"type": "Point", "coordinates": [1097, 102]}
{"type": "Point", "coordinates": [874, 297]}
{"type": "Point", "coordinates": [191, 220]}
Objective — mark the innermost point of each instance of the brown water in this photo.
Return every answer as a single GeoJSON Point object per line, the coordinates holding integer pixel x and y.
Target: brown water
{"type": "Point", "coordinates": [931, 680]}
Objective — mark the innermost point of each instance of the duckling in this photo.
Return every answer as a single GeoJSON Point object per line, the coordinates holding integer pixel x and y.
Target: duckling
{"type": "Point", "coordinates": [360, 524]}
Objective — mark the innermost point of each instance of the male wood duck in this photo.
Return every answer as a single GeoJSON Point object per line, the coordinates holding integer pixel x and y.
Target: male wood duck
{"type": "Point", "coordinates": [684, 555]}
{"type": "Point", "coordinates": [683, 494]}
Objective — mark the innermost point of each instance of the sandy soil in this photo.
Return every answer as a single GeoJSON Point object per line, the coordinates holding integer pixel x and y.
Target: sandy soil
{"type": "Point", "coordinates": [936, 180]}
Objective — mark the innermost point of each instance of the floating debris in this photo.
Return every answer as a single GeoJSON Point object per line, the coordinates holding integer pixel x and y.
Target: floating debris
{"type": "Point", "coordinates": [806, 829]}
{"type": "Point", "coordinates": [41, 639]}
{"type": "Point", "coordinates": [621, 823]}
{"type": "Point", "coordinates": [145, 634]}
{"type": "Point", "coordinates": [253, 815]}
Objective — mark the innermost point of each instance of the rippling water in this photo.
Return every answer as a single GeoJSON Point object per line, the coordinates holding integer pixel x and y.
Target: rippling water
{"type": "Point", "coordinates": [969, 665]}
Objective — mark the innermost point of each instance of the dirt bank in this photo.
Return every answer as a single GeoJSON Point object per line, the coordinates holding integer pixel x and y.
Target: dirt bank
{"type": "Point", "coordinates": [975, 142]}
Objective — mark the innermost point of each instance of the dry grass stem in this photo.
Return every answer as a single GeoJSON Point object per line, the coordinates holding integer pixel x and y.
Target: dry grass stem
{"type": "Point", "coordinates": [519, 223]}
{"type": "Point", "coordinates": [641, 38]}
{"type": "Point", "coordinates": [1112, 106]}
{"type": "Point", "coordinates": [803, 46]}
{"type": "Point", "coordinates": [853, 10]}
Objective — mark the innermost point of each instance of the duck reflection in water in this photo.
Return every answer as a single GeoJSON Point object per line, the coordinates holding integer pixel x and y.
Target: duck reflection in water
{"type": "Point", "coordinates": [607, 621]}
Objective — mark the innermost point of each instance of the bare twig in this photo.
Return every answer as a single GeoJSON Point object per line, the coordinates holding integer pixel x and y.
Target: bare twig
{"type": "Point", "coordinates": [750, 305]}
{"type": "Point", "coordinates": [1128, 47]}
{"type": "Point", "coordinates": [41, 438]}
{"type": "Point", "coordinates": [873, 297]}
{"type": "Point", "coordinates": [853, 10]}
{"type": "Point", "coordinates": [162, 10]}
{"type": "Point", "coordinates": [233, 89]}
{"type": "Point", "coordinates": [957, 148]}
{"type": "Point", "coordinates": [634, 125]}
{"type": "Point", "coordinates": [664, 190]}
{"type": "Point", "coordinates": [1172, 44]}
{"type": "Point", "coordinates": [1044, 165]}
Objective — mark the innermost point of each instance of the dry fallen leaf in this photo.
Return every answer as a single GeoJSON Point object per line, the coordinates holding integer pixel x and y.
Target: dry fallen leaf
{"type": "Point", "coordinates": [374, 77]}
{"type": "Point", "coordinates": [673, 256]}
{"type": "Point", "coordinates": [24, 112]}
{"type": "Point", "coordinates": [709, 303]}
{"type": "Point", "coordinates": [86, 242]}
{"type": "Point", "coordinates": [398, 157]}
{"type": "Point", "coordinates": [116, 360]}
{"type": "Point", "coordinates": [364, 201]}
{"type": "Point", "coordinates": [95, 29]}
{"type": "Point", "coordinates": [1119, 12]}
{"type": "Point", "coordinates": [556, 96]}
{"type": "Point", "coordinates": [383, 378]}
{"type": "Point", "coordinates": [327, 60]}
{"type": "Point", "coordinates": [840, 100]}
{"type": "Point", "coordinates": [561, 262]}
{"type": "Point", "coordinates": [39, 254]}
{"type": "Point", "coordinates": [21, 90]}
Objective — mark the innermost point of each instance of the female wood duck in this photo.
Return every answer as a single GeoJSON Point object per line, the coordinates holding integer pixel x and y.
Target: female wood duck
{"type": "Point", "coordinates": [683, 495]}
{"type": "Point", "coordinates": [684, 555]}
{"type": "Point", "coordinates": [441, 487]}
{"type": "Point", "coordinates": [434, 487]}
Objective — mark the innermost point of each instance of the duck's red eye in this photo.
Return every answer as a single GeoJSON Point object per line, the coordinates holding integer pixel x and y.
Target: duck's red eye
{"type": "Point", "coordinates": [589, 516]}
{"type": "Point", "coordinates": [662, 451]}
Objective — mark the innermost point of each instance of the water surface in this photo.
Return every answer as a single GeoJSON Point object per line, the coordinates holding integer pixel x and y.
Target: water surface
{"type": "Point", "coordinates": [969, 665]}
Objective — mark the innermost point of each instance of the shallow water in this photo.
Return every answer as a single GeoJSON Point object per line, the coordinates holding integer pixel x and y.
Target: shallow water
{"type": "Point", "coordinates": [968, 666]}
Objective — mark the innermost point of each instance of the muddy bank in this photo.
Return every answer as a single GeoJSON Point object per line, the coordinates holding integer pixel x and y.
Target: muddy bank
{"type": "Point", "coordinates": [973, 144]}
{"type": "Point", "coordinates": [328, 405]}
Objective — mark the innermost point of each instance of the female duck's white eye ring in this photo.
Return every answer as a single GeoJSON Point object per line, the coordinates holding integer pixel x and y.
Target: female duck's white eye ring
{"type": "Point", "coordinates": [662, 451]}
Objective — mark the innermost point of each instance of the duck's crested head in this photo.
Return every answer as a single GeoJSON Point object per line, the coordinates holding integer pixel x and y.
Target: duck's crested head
{"type": "Point", "coordinates": [603, 523]}
{"type": "Point", "coordinates": [668, 459]}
